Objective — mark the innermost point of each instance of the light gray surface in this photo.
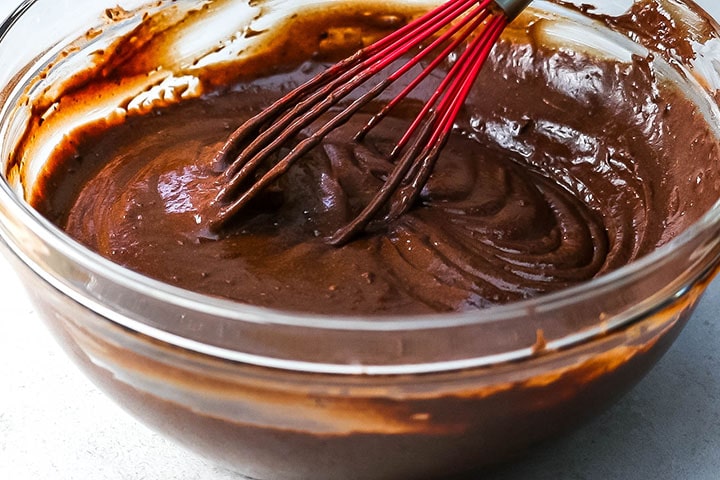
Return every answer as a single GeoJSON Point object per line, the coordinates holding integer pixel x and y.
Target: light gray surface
{"type": "Point", "coordinates": [55, 425]}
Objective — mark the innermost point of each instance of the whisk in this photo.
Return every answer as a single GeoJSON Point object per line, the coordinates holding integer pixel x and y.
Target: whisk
{"type": "Point", "coordinates": [468, 27]}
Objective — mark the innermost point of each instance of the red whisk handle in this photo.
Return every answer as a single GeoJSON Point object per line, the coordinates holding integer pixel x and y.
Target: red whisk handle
{"type": "Point", "coordinates": [512, 8]}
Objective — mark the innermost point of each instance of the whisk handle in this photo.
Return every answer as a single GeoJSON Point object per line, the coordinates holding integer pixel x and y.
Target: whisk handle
{"type": "Point", "coordinates": [512, 8]}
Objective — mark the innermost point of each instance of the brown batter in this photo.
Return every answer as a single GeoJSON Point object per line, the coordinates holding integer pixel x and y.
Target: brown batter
{"type": "Point", "coordinates": [563, 167]}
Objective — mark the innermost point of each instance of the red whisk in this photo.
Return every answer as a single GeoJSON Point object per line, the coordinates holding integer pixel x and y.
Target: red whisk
{"type": "Point", "coordinates": [441, 31]}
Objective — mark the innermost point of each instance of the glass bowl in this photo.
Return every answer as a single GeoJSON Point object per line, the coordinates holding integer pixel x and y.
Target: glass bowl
{"type": "Point", "coordinates": [272, 394]}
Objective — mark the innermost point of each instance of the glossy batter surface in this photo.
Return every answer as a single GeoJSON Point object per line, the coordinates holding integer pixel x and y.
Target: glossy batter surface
{"type": "Point", "coordinates": [563, 167]}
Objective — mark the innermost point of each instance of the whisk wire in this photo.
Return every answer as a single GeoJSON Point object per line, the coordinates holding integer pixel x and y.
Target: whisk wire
{"type": "Point", "coordinates": [369, 60]}
{"type": "Point", "coordinates": [432, 101]}
{"type": "Point", "coordinates": [379, 56]}
{"type": "Point", "coordinates": [467, 27]}
{"type": "Point", "coordinates": [440, 32]}
{"type": "Point", "coordinates": [437, 125]}
{"type": "Point", "coordinates": [312, 107]}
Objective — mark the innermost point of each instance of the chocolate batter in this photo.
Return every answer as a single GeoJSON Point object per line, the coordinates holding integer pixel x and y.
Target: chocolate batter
{"type": "Point", "coordinates": [564, 166]}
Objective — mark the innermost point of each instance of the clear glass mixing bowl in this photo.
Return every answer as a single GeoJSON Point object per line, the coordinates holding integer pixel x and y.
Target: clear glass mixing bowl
{"type": "Point", "coordinates": [278, 395]}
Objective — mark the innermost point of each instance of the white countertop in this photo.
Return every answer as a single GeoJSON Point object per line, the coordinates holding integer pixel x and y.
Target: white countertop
{"type": "Point", "coordinates": [55, 425]}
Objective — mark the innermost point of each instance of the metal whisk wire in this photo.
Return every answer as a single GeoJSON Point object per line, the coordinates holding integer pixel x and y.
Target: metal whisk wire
{"type": "Point", "coordinates": [444, 29]}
